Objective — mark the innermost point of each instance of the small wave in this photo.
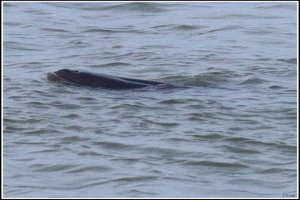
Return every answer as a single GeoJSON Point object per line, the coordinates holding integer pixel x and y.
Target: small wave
{"type": "Point", "coordinates": [245, 17]}
{"type": "Point", "coordinates": [253, 81]}
{"type": "Point", "coordinates": [160, 123]}
{"type": "Point", "coordinates": [117, 46]}
{"type": "Point", "coordinates": [126, 160]}
{"type": "Point", "coordinates": [74, 139]}
{"type": "Point", "coordinates": [9, 4]}
{"type": "Point", "coordinates": [188, 27]}
{"type": "Point", "coordinates": [141, 193]}
{"type": "Point", "coordinates": [182, 27]}
{"type": "Point", "coordinates": [144, 7]}
{"type": "Point", "coordinates": [237, 16]}
{"type": "Point", "coordinates": [240, 150]}
{"type": "Point", "coordinates": [208, 137]}
{"type": "Point", "coordinates": [275, 171]}
{"type": "Point", "coordinates": [40, 131]}
{"type": "Point", "coordinates": [278, 6]}
{"type": "Point", "coordinates": [226, 28]}
{"type": "Point", "coordinates": [203, 80]}
{"type": "Point", "coordinates": [85, 169]}
{"type": "Point", "coordinates": [278, 145]}
{"type": "Point", "coordinates": [162, 152]}
{"type": "Point", "coordinates": [116, 30]}
{"type": "Point", "coordinates": [74, 128]}
{"type": "Point", "coordinates": [65, 106]}
{"type": "Point", "coordinates": [135, 179]}
{"type": "Point", "coordinates": [172, 101]}
{"type": "Point", "coordinates": [113, 145]}
{"type": "Point", "coordinates": [19, 46]}
{"type": "Point", "coordinates": [12, 24]}
{"type": "Point", "coordinates": [259, 31]}
{"type": "Point", "coordinates": [71, 116]}
{"type": "Point", "coordinates": [292, 60]}
{"type": "Point", "coordinates": [113, 64]}
{"type": "Point", "coordinates": [52, 168]}
{"type": "Point", "coordinates": [89, 153]}
{"type": "Point", "coordinates": [36, 12]}
{"type": "Point", "coordinates": [276, 87]}
{"type": "Point", "coordinates": [162, 26]}
{"type": "Point", "coordinates": [214, 164]}
{"type": "Point", "coordinates": [55, 30]}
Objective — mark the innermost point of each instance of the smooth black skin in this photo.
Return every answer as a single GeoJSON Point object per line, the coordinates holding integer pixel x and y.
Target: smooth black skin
{"type": "Point", "coordinates": [98, 80]}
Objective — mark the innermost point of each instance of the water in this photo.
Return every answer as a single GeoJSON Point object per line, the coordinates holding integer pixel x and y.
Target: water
{"type": "Point", "coordinates": [231, 134]}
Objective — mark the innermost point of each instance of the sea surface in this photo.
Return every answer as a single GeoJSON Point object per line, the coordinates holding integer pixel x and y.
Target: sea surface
{"type": "Point", "coordinates": [231, 133]}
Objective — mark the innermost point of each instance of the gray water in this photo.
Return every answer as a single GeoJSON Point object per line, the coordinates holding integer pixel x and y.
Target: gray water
{"type": "Point", "coordinates": [232, 133]}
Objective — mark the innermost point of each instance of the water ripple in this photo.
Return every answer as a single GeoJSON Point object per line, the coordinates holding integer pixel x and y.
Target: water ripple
{"type": "Point", "coordinates": [229, 129]}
